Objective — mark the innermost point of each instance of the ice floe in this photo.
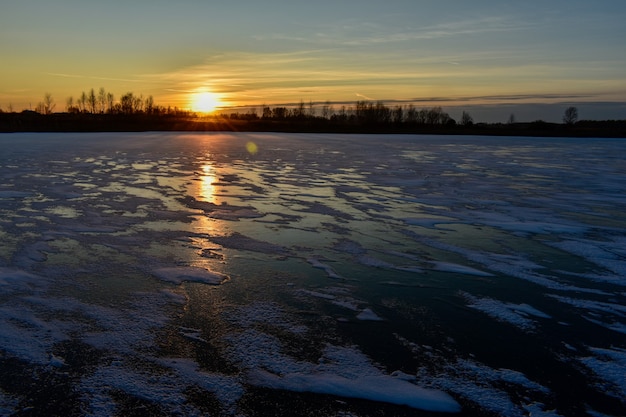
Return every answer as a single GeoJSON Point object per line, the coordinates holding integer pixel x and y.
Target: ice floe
{"type": "Point", "coordinates": [368, 315]}
{"type": "Point", "coordinates": [520, 315]}
{"type": "Point", "coordinates": [326, 268]}
{"type": "Point", "coordinates": [381, 388]}
{"type": "Point", "coordinates": [610, 366]}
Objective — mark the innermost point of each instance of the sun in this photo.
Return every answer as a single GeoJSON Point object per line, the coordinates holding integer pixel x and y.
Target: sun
{"type": "Point", "coordinates": [205, 102]}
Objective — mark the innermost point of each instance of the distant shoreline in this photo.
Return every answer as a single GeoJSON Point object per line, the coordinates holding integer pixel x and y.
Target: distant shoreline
{"type": "Point", "coordinates": [68, 122]}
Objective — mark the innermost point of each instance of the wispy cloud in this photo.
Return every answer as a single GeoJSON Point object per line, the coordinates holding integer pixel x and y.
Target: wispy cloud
{"type": "Point", "coordinates": [363, 33]}
{"type": "Point", "coordinates": [364, 97]}
{"type": "Point", "coordinates": [341, 73]}
{"type": "Point", "coordinates": [93, 77]}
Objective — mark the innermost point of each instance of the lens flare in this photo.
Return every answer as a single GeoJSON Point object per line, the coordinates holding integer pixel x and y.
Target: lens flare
{"type": "Point", "coordinates": [252, 147]}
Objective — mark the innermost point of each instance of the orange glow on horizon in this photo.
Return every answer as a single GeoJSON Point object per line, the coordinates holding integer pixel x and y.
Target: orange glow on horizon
{"type": "Point", "coordinates": [205, 101]}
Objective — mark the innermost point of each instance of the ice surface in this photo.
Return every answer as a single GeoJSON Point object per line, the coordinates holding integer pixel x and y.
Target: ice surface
{"type": "Point", "coordinates": [242, 242]}
{"type": "Point", "coordinates": [112, 252]}
{"type": "Point", "coordinates": [603, 253]}
{"type": "Point", "coordinates": [377, 388]}
{"type": "Point", "coordinates": [368, 314]}
{"type": "Point", "coordinates": [176, 275]}
{"type": "Point", "coordinates": [14, 194]}
{"type": "Point", "coordinates": [516, 314]}
{"type": "Point", "coordinates": [478, 383]}
{"type": "Point", "coordinates": [459, 269]}
{"type": "Point", "coordinates": [16, 281]}
{"type": "Point", "coordinates": [326, 268]}
{"type": "Point", "coordinates": [610, 366]}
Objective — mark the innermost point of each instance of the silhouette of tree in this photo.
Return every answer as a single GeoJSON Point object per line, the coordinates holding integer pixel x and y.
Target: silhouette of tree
{"type": "Point", "coordinates": [411, 114]}
{"type": "Point", "coordinates": [47, 105]}
{"type": "Point", "coordinates": [102, 100]}
{"type": "Point", "coordinates": [422, 116]}
{"type": "Point", "coordinates": [129, 103]}
{"type": "Point", "coordinates": [298, 112]}
{"type": "Point", "coordinates": [149, 105]}
{"type": "Point", "coordinates": [571, 115]}
{"type": "Point", "coordinates": [327, 110]}
{"type": "Point", "coordinates": [466, 119]}
{"type": "Point", "coordinates": [398, 115]}
{"type": "Point", "coordinates": [110, 101]}
{"type": "Point", "coordinates": [252, 114]}
{"type": "Point", "coordinates": [69, 105]}
{"type": "Point", "coordinates": [436, 116]}
{"type": "Point", "coordinates": [511, 119]}
{"type": "Point", "coordinates": [369, 113]}
{"type": "Point", "coordinates": [280, 113]}
{"type": "Point", "coordinates": [82, 102]}
{"type": "Point", "coordinates": [92, 101]}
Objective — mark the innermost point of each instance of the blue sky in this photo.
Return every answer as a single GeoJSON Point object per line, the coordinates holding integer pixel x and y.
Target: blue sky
{"type": "Point", "coordinates": [492, 57]}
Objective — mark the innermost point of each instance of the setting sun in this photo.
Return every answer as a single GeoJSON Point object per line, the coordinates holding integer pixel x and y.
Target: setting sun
{"type": "Point", "coordinates": [205, 102]}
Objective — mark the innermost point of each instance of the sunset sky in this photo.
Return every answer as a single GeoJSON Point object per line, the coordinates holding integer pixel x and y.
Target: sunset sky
{"type": "Point", "coordinates": [492, 57]}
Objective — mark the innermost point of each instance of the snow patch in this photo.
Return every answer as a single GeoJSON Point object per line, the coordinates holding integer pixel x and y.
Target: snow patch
{"type": "Point", "coordinates": [516, 314]}
{"type": "Point", "coordinates": [368, 315]}
{"type": "Point", "coordinates": [326, 268]}
{"type": "Point", "coordinates": [382, 388]}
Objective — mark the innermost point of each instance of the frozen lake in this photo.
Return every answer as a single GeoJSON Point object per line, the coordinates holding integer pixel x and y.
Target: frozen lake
{"type": "Point", "coordinates": [296, 274]}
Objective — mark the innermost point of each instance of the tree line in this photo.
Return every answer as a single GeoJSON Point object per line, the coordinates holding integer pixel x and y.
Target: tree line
{"type": "Point", "coordinates": [104, 102]}
{"type": "Point", "coordinates": [100, 111]}
{"type": "Point", "coordinates": [364, 112]}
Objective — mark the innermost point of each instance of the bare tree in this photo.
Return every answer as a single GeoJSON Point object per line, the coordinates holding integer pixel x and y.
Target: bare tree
{"type": "Point", "coordinates": [435, 116]}
{"type": "Point", "coordinates": [138, 104]}
{"type": "Point", "coordinates": [398, 114]}
{"type": "Point", "coordinates": [571, 115]}
{"type": "Point", "coordinates": [422, 116]}
{"type": "Point", "coordinates": [149, 105]}
{"type": "Point", "coordinates": [109, 102]}
{"type": "Point", "coordinates": [511, 119]}
{"type": "Point", "coordinates": [82, 102]}
{"type": "Point", "coordinates": [466, 119]}
{"type": "Point", "coordinates": [280, 113]}
{"type": "Point", "coordinates": [326, 110]}
{"type": "Point", "coordinates": [127, 103]}
{"type": "Point", "coordinates": [69, 104]}
{"type": "Point", "coordinates": [47, 105]}
{"type": "Point", "coordinates": [299, 112]}
{"type": "Point", "coordinates": [102, 100]}
{"type": "Point", "coordinates": [252, 114]}
{"type": "Point", "coordinates": [411, 114]}
{"type": "Point", "coordinates": [92, 101]}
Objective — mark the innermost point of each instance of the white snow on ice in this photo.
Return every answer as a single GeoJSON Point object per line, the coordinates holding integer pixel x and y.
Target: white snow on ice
{"type": "Point", "coordinates": [383, 388]}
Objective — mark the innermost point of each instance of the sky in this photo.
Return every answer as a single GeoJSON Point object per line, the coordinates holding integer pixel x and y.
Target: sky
{"type": "Point", "coordinates": [492, 58]}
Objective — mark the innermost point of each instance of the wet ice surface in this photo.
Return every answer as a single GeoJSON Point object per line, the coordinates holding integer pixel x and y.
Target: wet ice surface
{"type": "Point", "coordinates": [178, 274]}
